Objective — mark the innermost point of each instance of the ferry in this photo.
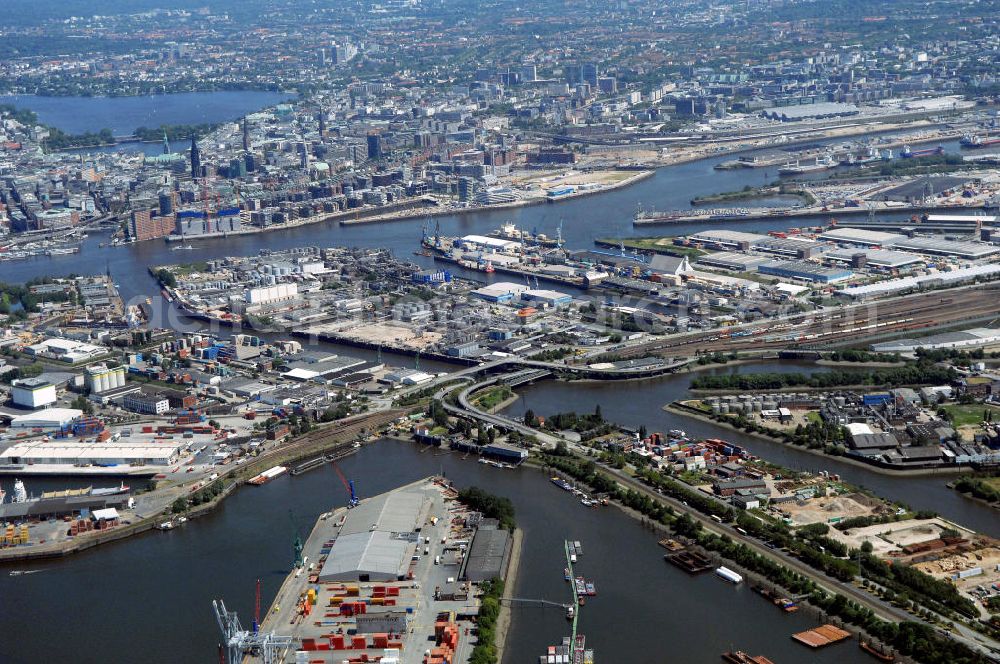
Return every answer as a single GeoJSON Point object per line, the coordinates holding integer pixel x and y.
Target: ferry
{"type": "Point", "coordinates": [267, 475]}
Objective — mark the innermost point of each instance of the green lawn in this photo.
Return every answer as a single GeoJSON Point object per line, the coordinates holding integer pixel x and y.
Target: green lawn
{"type": "Point", "coordinates": [970, 414]}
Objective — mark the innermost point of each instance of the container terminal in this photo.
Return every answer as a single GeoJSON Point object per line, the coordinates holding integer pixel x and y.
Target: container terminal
{"type": "Point", "coordinates": [392, 578]}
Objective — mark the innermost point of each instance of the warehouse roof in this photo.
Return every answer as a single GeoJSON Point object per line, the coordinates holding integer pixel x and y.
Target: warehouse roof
{"type": "Point", "coordinates": [877, 257]}
{"type": "Point", "coordinates": [860, 236]}
{"type": "Point", "coordinates": [946, 247]}
{"type": "Point", "coordinates": [378, 535]}
{"type": "Point", "coordinates": [488, 555]}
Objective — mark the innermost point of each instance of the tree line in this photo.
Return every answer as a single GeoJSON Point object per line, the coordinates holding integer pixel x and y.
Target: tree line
{"type": "Point", "coordinates": [911, 374]}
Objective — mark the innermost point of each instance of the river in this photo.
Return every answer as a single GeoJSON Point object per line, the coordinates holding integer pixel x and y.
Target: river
{"type": "Point", "coordinates": [149, 598]}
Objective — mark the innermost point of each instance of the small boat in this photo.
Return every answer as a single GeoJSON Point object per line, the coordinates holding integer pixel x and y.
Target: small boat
{"type": "Point", "coordinates": [566, 574]}
{"type": "Point", "coordinates": [166, 525]}
{"type": "Point", "coordinates": [23, 572]}
{"type": "Point", "coordinates": [570, 612]}
{"type": "Point", "coordinates": [572, 557]}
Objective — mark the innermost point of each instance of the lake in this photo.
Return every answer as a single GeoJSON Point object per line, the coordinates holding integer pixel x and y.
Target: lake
{"type": "Point", "coordinates": [123, 115]}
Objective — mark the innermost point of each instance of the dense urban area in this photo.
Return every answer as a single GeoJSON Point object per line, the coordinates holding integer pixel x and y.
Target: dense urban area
{"type": "Point", "coordinates": [348, 323]}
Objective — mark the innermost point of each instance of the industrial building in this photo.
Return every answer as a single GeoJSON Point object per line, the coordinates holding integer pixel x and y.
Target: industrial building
{"type": "Point", "coordinates": [893, 286]}
{"type": "Point", "coordinates": [549, 298]}
{"type": "Point", "coordinates": [966, 339]}
{"type": "Point", "coordinates": [937, 247]}
{"type": "Point", "coordinates": [33, 392]}
{"type": "Point", "coordinates": [72, 452]}
{"type": "Point", "coordinates": [47, 419]}
{"type": "Point", "coordinates": [873, 258]}
{"type": "Point", "coordinates": [805, 271]}
{"type": "Point", "coordinates": [861, 237]}
{"type": "Point", "coordinates": [727, 240]}
{"type": "Point", "coordinates": [488, 555]}
{"type": "Point", "coordinates": [147, 404]}
{"type": "Point", "coordinates": [731, 261]}
{"type": "Point", "coordinates": [787, 247]}
{"type": "Point", "coordinates": [500, 292]}
{"type": "Point", "coordinates": [379, 536]}
{"type": "Point", "coordinates": [815, 111]}
{"type": "Point", "coordinates": [66, 350]}
{"type": "Point", "coordinates": [100, 378]}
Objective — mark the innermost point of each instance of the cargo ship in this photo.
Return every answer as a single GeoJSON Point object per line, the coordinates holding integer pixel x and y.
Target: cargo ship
{"type": "Point", "coordinates": [975, 142]}
{"type": "Point", "coordinates": [740, 657]}
{"type": "Point", "coordinates": [909, 153]}
{"type": "Point", "coordinates": [267, 475]}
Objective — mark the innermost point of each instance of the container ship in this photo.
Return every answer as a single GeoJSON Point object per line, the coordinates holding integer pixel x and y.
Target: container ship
{"type": "Point", "coordinates": [268, 475]}
{"type": "Point", "coordinates": [908, 153]}
{"type": "Point", "coordinates": [975, 142]}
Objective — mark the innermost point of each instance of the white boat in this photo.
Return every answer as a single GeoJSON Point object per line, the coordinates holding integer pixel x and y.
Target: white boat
{"type": "Point", "coordinates": [20, 493]}
{"type": "Point", "coordinates": [182, 247]}
{"type": "Point", "coordinates": [729, 575]}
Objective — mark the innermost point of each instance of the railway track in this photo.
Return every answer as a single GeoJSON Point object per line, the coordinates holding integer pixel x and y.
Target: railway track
{"type": "Point", "coordinates": [913, 312]}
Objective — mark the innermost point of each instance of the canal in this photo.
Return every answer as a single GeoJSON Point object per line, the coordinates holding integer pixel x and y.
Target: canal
{"type": "Point", "coordinates": [149, 598]}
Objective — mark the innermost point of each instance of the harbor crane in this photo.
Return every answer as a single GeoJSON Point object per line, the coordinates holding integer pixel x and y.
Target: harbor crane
{"type": "Point", "coordinates": [349, 485]}
{"type": "Point", "coordinates": [239, 643]}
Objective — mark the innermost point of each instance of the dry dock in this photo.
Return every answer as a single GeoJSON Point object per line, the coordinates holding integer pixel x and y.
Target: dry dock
{"type": "Point", "coordinates": [380, 581]}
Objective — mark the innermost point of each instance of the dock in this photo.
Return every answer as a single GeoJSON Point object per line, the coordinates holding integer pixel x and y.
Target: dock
{"type": "Point", "coordinates": [379, 581]}
{"type": "Point", "coordinates": [821, 636]}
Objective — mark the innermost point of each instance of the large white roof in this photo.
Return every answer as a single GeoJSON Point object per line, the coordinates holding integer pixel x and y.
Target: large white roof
{"type": "Point", "coordinates": [47, 417]}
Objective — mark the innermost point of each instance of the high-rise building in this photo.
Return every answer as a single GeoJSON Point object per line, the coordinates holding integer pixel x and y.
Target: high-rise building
{"type": "Point", "coordinates": [246, 135]}
{"type": "Point", "coordinates": [374, 146]}
{"type": "Point", "coordinates": [166, 204]}
{"type": "Point", "coordinates": [572, 73]}
{"type": "Point", "coordinates": [529, 73]}
{"type": "Point", "coordinates": [466, 188]}
{"type": "Point", "coordinates": [195, 160]}
{"type": "Point", "coordinates": [589, 73]}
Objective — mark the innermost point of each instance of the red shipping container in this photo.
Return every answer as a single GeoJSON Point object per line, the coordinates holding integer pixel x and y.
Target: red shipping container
{"type": "Point", "coordinates": [337, 641]}
{"type": "Point", "coordinates": [358, 643]}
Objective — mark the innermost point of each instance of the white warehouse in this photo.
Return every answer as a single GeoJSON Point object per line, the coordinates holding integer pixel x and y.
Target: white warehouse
{"type": "Point", "coordinates": [33, 392]}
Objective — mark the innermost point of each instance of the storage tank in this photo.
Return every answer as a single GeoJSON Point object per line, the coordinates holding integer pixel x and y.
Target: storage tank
{"type": "Point", "coordinates": [717, 408]}
{"type": "Point", "coordinates": [756, 406]}
{"type": "Point", "coordinates": [724, 408]}
{"type": "Point", "coordinates": [840, 401]}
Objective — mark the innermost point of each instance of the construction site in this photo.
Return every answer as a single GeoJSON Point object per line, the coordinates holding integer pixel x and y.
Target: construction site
{"type": "Point", "coordinates": [389, 579]}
